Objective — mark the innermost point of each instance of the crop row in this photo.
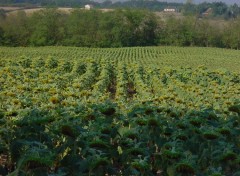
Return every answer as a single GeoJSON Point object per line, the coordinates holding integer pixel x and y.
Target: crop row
{"type": "Point", "coordinates": [175, 56]}
{"type": "Point", "coordinates": [33, 83]}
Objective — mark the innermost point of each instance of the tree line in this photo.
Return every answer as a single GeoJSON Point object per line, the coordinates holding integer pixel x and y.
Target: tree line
{"type": "Point", "coordinates": [118, 28]}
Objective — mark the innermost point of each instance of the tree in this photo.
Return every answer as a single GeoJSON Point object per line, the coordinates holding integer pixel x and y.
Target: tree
{"type": "Point", "coordinates": [231, 36]}
{"type": "Point", "coordinates": [219, 8]}
{"type": "Point", "coordinates": [178, 32]}
{"type": "Point", "coordinates": [2, 14]}
{"type": "Point", "coordinates": [208, 34]}
{"type": "Point", "coordinates": [47, 27]}
{"type": "Point", "coordinates": [112, 30]}
{"type": "Point", "coordinates": [1, 36]}
{"type": "Point", "coordinates": [82, 28]}
{"type": "Point", "coordinates": [141, 27]}
{"type": "Point", "coordinates": [233, 12]}
{"type": "Point", "coordinates": [16, 29]}
{"type": "Point", "coordinates": [189, 8]}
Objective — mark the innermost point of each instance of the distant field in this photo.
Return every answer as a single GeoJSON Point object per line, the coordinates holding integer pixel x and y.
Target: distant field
{"type": "Point", "coordinates": [10, 8]}
{"type": "Point", "coordinates": [29, 11]}
{"type": "Point", "coordinates": [212, 58]}
{"type": "Point", "coordinates": [14, 10]}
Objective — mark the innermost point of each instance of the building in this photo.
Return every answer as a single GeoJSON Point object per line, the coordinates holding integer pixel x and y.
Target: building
{"type": "Point", "coordinates": [169, 10]}
{"type": "Point", "coordinates": [88, 6]}
{"type": "Point", "coordinates": [207, 12]}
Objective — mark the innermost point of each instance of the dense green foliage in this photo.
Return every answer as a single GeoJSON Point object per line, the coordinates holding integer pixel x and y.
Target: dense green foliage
{"type": "Point", "coordinates": [127, 111]}
{"type": "Point", "coordinates": [118, 28]}
{"type": "Point", "coordinates": [98, 140]}
{"type": "Point", "coordinates": [81, 28]}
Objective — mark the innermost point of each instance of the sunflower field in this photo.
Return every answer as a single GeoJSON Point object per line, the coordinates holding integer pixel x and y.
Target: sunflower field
{"type": "Point", "coordinates": [128, 111]}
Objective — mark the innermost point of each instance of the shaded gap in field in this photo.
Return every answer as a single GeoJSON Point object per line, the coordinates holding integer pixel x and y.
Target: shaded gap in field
{"type": "Point", "coordinates": [112, 86]}
{"type": "Point", "coordinates": [131, 89]}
